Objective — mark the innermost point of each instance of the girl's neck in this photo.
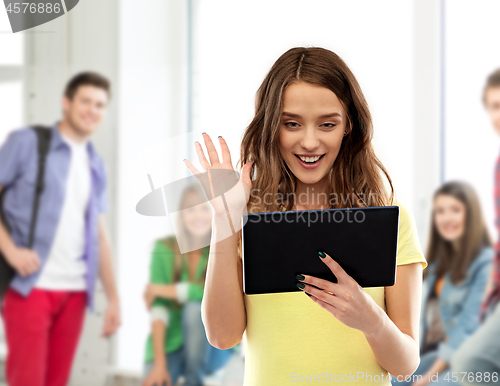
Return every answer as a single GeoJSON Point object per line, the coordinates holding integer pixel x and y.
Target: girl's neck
{"type": "Point", "coordinates": [195, 242]}
{"type": "Point", "coordinates": [456, 245]}
{"type": "Point", "coordinates": [311, 196]}
{"type": "Point", "coordinates": [194, 254]}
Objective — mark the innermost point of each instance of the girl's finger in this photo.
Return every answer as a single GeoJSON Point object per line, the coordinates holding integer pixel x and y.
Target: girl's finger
{"type": "Point", "coordinates": [191, 167]}
{"type": "Point", "coordinates": [309, 289]}
{"type": "Point", "coordinates": [335, 267]}
{"type": "Point", "coordinates": [325, 297]}
{"type": "Point", "coordinates": [201, 156]}
{"type": "Point", "coordinates": [212, 151]}
{"type": "Point", "coordinates": [321, 283]}
{"type": "Point", "coordinates": [226, 154]}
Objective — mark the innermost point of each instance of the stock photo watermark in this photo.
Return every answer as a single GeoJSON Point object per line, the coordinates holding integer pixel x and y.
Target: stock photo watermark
{"type": "Point", "coordinates": [359, 376]}
{"type": "Point", "coordinates": [312, 217]}
{"type": "Point", "coordinates": [220, 192]}
{"type": "Point", "coordinates": [24, 15]}
{"type": "Point", "coordinates": [302, 198]}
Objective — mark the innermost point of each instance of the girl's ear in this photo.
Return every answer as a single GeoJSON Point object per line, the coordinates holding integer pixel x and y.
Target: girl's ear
{"type": "Point", "coordinates": [348, 128]}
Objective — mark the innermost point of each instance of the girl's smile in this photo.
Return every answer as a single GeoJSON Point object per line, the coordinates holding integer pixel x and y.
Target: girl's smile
{"type": "Point", "coordinates": [309, 162]}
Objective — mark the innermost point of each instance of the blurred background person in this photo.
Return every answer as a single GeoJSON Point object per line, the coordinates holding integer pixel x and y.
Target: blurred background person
{"type": "Point", "coordinates": [480, 356]}
{"type": "Point", "coordinates": [43, 309]}
{"type": "Point", "coordinates": [178, 344]}
{"type": "Point", "coordinates": [459, 253]}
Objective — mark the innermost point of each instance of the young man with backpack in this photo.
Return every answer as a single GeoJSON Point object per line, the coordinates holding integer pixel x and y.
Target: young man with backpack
{"type": "Point", "coordinates": [54, 279]}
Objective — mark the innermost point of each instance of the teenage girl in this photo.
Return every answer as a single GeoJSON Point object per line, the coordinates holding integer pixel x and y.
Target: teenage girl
{"type": "Point", "coordinates": [309, 146]}
{"type": "Point", "coordinates": [460, 255]}
{"type": "Point", "coordinates": [177, 345]}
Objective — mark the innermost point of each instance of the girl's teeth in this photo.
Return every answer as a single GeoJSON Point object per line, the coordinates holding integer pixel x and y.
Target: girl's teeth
{"type": "Point", "coordinates": [309, 159]}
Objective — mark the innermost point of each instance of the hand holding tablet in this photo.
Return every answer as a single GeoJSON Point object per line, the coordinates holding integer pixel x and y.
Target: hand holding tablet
{"type": "Point", "coordinates": [278, 246]}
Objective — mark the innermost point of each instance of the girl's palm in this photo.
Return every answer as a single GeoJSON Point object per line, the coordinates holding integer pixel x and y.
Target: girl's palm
{"type": "Point", "coordinates": [220, 181]}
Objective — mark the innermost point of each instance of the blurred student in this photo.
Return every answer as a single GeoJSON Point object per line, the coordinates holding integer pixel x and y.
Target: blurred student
{"type": "Point", "coordinates": [460, 254]}
{"type": "Point", "coordinates": [44, 308]}
{"type": "Point", "coordinates": [178, 344]}
{"type": "Point", "coordinates": [479, 357]}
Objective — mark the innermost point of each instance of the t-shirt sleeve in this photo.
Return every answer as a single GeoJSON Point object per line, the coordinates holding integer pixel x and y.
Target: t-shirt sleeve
{"type": "Point", "coordinates": [10, 158]}
{"type": "Point", "coordinates": [158, 274]}
{"type": "Point", "coordinates": [409, 248]}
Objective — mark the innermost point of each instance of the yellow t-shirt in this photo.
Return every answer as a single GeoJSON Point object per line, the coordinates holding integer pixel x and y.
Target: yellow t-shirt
{"type": "Point", "coordinates": [290, 339]}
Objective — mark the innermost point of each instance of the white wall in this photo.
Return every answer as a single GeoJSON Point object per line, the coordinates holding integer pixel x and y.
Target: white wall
{"type": "Point", "coordinates": [426, 113]}
{"type": "Point", "coordinates": [152, 118]}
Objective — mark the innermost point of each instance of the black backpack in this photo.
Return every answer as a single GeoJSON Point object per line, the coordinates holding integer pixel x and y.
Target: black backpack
{"type": "Point", "coordinates": [7, 272]}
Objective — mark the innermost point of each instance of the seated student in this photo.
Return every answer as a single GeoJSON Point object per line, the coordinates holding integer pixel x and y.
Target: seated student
{"type": "Point", "coordinates": [178, 344]}
{"type": "Point", "coordinates": [459, 254]}
{"type": "Point", "coordinates": [479, 358]}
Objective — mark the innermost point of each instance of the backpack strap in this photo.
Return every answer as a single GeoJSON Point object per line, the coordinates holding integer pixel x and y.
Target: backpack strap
{"type": "Point", "coordinates": [43, 136]}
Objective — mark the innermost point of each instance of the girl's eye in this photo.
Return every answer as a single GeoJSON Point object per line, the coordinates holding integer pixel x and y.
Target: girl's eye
{"type": "Point", "coordinates": [294, 125]}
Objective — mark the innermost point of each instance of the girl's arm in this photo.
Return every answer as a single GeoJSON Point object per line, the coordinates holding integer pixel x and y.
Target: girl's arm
{"type": "Point", "coordinates": [489, 284]}
{"type": "Point", "coordinates": [394, 337]}
{"type": "Point", "coordinates": [466, 322]}
{"type": "Point", "coordinates": [223, 307]}
{"type": "Point", "coordinates": [158, 332]}
{"type": "Point", "coordinates": [159, 373]}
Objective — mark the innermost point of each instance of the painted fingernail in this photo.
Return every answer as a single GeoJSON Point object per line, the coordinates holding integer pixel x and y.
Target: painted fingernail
{"type": "Point", "coordinates": [308, 294]}
{"type": "Point", "coordinates": [301, 285]}
{"type": "Point", "coordinates": [184, 159]}
{"type": "Point", "coordinates": [321, 254]}
{"type": "Point", "coordinates": [203, 133]}
{"type": "Point", "coordinates": [196, 142]}
{"type": "Point", "coordinates": [300, 277]}
{"type": "Point", "coordinates": [220, 136]}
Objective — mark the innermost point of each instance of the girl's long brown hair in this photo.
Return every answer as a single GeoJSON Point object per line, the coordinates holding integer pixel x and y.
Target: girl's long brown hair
{"type": "Point", "coordinates": [172, 243]}
{"type": "Point", "coordinates": [356, 173]}
{"type": "Point", "coordinates": [475, 237]}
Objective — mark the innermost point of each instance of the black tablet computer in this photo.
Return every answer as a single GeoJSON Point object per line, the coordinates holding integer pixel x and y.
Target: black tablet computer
{"type": "Point", "coordinates": [279, 245]}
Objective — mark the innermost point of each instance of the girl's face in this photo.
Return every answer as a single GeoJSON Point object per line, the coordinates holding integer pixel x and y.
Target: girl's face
{"type": "Point", "coordinates": [312, 127]}
{"type": "Point", "coordinates": [197, 218]}
{"type": "Point", "coordinates": [449, 216]}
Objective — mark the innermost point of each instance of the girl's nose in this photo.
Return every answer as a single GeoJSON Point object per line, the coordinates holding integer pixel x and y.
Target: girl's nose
{"type": "Point", "coordinates": [309, 139]}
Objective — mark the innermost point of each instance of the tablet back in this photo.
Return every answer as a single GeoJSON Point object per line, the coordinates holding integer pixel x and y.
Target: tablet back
{"type": "Point", "coordinates": [279, 245]}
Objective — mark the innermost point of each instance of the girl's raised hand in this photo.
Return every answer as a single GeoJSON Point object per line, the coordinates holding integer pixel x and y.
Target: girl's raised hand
{"type": "Point", "coordinates": [220, 178]}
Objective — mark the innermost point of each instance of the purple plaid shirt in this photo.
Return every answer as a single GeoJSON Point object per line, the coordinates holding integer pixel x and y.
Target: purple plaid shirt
{"type": "Point", "coordinates": [18, 172]}
{"type": "Point", "coordinates": [494, 295]}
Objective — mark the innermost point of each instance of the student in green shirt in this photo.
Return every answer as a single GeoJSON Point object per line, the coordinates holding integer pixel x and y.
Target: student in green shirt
{"type": "Point", "coordinates": [178, 344]}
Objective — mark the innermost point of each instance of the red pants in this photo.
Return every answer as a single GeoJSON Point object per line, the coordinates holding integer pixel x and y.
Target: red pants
{"type": "Point", "coordinates": [42, 332]}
